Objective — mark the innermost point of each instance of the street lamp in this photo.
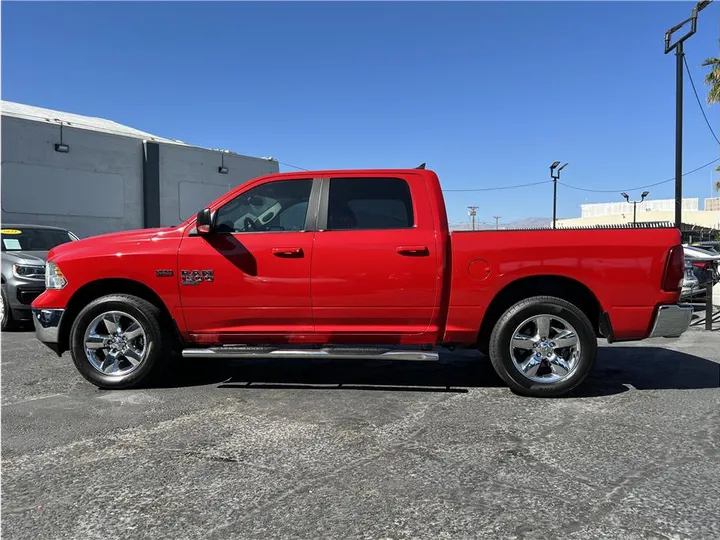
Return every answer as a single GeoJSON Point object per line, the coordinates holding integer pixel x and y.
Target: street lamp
{"type": "Point", "coordinates": [679, 58]}
{"type": "Point", "coordinates": [634, 203]}
{"type": "Point", "coordinates": [555, 175]}
{"type": "Point", "coordinates": [472, 212]}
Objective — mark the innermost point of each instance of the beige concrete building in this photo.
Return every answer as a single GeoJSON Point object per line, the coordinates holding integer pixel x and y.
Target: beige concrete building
{"type": "Point", "coordinates": [616, 213]}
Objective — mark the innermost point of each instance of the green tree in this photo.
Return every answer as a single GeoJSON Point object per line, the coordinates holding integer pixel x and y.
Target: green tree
{"type": "Point", "coordinates": [712, 79]}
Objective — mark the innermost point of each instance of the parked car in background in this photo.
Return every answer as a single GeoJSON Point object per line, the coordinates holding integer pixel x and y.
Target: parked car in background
{"type": "Point", "coordinates": [690, 284]}
{"type": "Point", "coordinates": [713, 246]}
{"type": "Point", "coordinates": [705, 265]}
{"type": "Point", "coordinates": [24, 249]}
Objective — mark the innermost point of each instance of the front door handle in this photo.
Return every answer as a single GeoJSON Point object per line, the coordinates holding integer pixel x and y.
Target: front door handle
{"type": "Point", "coordinates": [413, 251]}
{"type": "Point", "coordinates": [288, 253]}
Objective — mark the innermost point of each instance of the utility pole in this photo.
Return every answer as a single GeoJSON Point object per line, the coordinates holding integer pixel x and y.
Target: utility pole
{"type": "Point", "coordinates": [472, 212]}
{"type": "Point", "coordinates": [555, 175]}
{"type": "Point", "coordinates": [497, 222]}
{"type": "Point", "coordinates": [679, 78]}
{"type": "Point", "coordinates": [634, 203]}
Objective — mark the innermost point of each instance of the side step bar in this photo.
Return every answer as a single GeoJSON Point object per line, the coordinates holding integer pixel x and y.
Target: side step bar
{"type": "Point", "coordinates": [355, 353]}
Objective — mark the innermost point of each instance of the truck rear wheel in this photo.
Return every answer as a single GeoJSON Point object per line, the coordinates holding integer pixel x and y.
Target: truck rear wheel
{"type": "Point", "coordinates": [543, 346]}
{"type": "Point", "coordinates": [117, 342]}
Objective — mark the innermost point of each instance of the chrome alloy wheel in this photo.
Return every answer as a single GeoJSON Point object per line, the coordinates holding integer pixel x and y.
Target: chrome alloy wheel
{"type": "Point", "coordinates": [2, 309]}
{"type": "Point", "coordinates": [545, 349]}
{"type": "Point", "coordinates": [115, 343]}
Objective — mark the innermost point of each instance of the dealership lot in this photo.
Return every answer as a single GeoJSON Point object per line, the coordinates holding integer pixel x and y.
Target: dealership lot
{"type": "Point", "coordinates": [312, 449]}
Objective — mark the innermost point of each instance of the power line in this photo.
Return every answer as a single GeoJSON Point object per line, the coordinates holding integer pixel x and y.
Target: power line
{"type": "Point", "coordinates": [293, 166]}
{"type": "Point", "coordinates": [454, 190]}
{"type": "Point", "coordinates": [502, 187]}
{"type": "Point", "coordinates": [517, 186]}
{"type": "Point", "coordinates": [702, 109]}
{"type": "Point", "coordinates": [639, 187]}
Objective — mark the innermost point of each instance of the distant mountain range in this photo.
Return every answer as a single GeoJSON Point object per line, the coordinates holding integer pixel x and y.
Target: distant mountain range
{"type": "Point", "coordinates": [526, 223]}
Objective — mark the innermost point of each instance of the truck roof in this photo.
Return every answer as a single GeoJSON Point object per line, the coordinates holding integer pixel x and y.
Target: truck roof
{"type": "Point", "coordinates": [327, 172]}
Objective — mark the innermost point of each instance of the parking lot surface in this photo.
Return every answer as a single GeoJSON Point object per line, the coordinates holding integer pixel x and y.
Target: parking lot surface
{"type": "Point", "coordinates": [316, 449]}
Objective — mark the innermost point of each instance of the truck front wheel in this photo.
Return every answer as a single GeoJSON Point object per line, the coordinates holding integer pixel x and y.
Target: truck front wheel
{"type": "Point", "coordinates": [117, 341]}
{"type": "Point", "coordinates": [543, 346]}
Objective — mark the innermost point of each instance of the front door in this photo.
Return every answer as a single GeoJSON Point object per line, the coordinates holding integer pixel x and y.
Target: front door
{"type": "Point", "coordinates": [375, 271]}
{"type": "Point", "coordinates": [251, 277]}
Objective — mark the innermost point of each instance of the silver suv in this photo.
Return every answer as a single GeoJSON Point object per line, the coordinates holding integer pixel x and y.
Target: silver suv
{"type": "Point", "coordinates": [24, 249]}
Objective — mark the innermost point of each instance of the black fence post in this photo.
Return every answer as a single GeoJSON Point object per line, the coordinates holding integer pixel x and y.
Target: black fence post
{"type": "Point", "coordinates": [709, 306]}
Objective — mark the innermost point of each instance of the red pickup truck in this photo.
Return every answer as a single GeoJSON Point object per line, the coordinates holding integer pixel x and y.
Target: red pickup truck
{"type": "Point", "coordinates": [348, 264]}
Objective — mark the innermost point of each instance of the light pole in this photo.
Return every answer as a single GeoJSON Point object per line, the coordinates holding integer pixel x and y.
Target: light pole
{"type": "Point", "coordinates": [679, 57]}
{"type": "Point", "coordinates": [634, 203]}
{"type": "Point", "coordinates": [497, 222]}
{"type": "Point", "coordinates": [555, 175]}
{"type": "Point", "coordinates": [472, 212]}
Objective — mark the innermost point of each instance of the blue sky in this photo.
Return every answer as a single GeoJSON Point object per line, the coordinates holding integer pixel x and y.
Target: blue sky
{"type": "Point", "coordinates": [488, 94]}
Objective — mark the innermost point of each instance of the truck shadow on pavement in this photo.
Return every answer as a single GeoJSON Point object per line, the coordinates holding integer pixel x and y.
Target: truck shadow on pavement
{"type": "Point", "coordinates": [618, 369]}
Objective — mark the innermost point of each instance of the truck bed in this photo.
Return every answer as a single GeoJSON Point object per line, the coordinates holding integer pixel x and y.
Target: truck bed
{"type": "Point", "coordinates": [625, 264]}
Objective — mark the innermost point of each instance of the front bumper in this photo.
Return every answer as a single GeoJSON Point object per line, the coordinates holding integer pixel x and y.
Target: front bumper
{"type": "Point", "coordinates": [671, 321]}
{"type": "Point", "coordinates": [47, 326]}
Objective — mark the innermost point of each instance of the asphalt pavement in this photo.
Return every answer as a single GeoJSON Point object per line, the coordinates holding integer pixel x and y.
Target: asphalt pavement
{"type": "Point", "coordinates": [318, 449]}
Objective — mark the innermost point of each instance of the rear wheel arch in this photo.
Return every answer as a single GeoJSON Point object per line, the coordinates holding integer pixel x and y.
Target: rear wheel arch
{"type": "Point", "coordinates": [563, 287]}
{"type": "Point", "coordinates": [103, 287]}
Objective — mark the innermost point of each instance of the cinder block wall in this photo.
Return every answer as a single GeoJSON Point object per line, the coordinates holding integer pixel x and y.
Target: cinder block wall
{"type": "Point", "coordinates": [94, 188]}
{"type": "Point", "coordinates": [109, 182]}
{"type": "Point", "coordinates": [189, 178]}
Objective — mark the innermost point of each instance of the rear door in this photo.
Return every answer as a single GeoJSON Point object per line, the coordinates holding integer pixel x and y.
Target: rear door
{"type": "Point", "coordinates": [375, 262]}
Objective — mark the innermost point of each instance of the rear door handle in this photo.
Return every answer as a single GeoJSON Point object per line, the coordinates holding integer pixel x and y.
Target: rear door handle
{"type": "Point", "coordinates": [288, 253]}
{"type": "Point", "coordinates": [413, 251]}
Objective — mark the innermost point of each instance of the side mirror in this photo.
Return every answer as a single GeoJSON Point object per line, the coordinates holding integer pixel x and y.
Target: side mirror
{"type": "Point", "coordinates": [204, 223]}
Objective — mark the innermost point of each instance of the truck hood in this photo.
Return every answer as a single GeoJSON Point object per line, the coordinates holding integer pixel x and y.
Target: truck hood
{"type": "Point", "coordinates": [115, 243]}
{"type": "Point", "coordinates": [36, 258]}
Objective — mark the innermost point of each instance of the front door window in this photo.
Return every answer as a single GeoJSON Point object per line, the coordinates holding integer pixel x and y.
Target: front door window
{"type": "Point", "coordinates": [275, 206]}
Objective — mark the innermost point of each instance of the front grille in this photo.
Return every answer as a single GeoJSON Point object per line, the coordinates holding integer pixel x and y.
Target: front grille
{"type": "Point", "coordinates": [26, 295]}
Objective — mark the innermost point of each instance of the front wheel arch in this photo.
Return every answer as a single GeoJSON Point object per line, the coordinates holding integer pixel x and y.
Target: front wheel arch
{"type": "Point", "coordinates": [103, 287]}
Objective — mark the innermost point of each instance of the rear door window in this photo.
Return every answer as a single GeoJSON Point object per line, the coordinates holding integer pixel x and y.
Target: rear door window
{"type": "Point", "coordinates": [369, 203]}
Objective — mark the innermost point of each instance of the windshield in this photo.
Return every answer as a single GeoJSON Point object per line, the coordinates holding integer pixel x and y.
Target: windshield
{"type": "Point", "coordinates": [34, 239]}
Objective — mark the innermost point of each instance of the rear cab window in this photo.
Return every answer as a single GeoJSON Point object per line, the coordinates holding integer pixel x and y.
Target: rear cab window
{"type": "Point", "coordinates": [357, 203]}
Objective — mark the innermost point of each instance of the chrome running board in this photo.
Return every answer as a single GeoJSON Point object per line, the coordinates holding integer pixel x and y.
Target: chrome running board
{"type": "Point", "coordinates": [355, 353]}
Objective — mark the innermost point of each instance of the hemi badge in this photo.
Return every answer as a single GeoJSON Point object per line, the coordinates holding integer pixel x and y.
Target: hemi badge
{"type": "Point", "coordinates": [164, 273]}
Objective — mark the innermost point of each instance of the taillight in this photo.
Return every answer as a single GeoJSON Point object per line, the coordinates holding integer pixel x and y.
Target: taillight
{"type": "Point", "coordinates": [701, 265]}
{"type": "Point", "coordinates": [674, 270]}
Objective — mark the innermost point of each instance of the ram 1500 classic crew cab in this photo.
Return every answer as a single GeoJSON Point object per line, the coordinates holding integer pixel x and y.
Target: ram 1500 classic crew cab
{"type": "Point", "coordinates": [347, 264]}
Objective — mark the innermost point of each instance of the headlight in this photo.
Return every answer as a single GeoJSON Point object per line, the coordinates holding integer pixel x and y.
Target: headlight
{"type": "Point", "coordinates": [54, 278]}
{"type": "Point", "coordinates": [29, 271]}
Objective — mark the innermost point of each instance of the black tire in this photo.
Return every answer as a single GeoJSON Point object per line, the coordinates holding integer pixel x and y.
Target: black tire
{"type": "Point", "coordinates": [502, 334]}
{"type": "Point", "coordinates": [7, 318]}
{"type": "Point", "coordinates": [158, 343]}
